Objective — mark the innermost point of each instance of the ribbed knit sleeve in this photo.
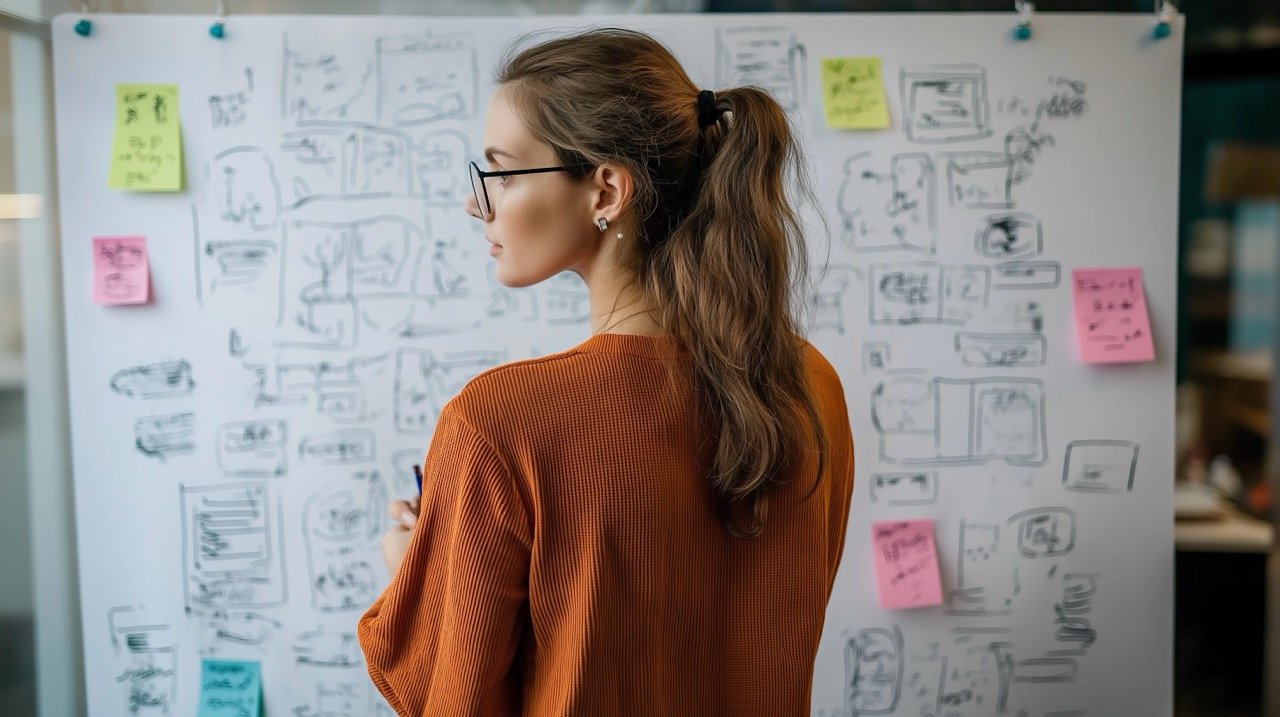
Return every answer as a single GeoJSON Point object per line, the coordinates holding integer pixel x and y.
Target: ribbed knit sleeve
{"type": "Point", "coordinates": [442, 637]}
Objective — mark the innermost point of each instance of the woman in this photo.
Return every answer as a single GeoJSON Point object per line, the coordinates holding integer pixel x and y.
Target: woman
{"type": "Point", "coordinates": [650, 522]}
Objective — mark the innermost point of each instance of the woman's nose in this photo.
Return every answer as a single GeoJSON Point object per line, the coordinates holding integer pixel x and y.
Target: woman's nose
{"type": "Point", "coordinates": [470, 206]}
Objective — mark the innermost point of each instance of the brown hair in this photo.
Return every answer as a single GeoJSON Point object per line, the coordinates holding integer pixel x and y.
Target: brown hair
{"type": "Point", "coordinates": [718, 247]}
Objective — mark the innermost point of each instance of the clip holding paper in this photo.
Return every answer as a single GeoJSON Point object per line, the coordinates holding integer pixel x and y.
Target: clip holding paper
{"type": "Point", "coordinates": [1022, 31]}
{"type": "Point", "coordinates": [84, 26]}
{"type": "Point", "coordinates": [1166, 12]}
{"type": "Point", "coordinates": [218, 29]}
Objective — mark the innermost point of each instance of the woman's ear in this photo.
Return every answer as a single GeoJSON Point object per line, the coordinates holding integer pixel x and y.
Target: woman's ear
{"type": "Point", "coordinates": [613, 191]}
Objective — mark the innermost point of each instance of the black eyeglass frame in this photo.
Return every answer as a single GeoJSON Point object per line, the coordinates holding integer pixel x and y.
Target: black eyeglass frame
{"type": "Point", "coordinates": [485, 207]}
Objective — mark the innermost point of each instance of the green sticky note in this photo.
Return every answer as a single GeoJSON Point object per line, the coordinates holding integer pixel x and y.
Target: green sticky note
{"type": "Point", "coordinates": [146, 152]}
{"type": "Point", "coordinates": [853, 93]}
{"type": "Point", "coordinates": [230, 688]}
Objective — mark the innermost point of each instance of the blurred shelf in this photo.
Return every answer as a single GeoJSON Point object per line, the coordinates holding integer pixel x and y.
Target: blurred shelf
{"type": "Point", "coordinates": [12, 373]}
{"type": "Point", "coordinates": [1240, 366]}
{"type": "Point", "coordinates": [1235, 532]}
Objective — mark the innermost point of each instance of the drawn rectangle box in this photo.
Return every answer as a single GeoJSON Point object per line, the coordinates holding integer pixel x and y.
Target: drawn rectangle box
{"type": "Point", "coordinates": [1019, 349]}
{"type": "Point", "coordinates": [913, 488]}
{"type": "Point", "coordinates": [232, 547]}
{"type": "Point", "coordinates": [944, 103]}
{"type": "Point", "coordinates": [1100, 466]}
{"type": "Point", "coordinates": [979, 180]}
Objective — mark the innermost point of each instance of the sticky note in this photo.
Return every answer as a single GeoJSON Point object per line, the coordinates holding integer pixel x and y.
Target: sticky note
{"type": "Point", "coordinates": [906, 560]}
{"type": "Point", "coordinates": [121, 273]}
{"type": "Point", "coordinates": [853, 93]}
{"type": "Point", "coordinates": [146, 151]}
{"type": "Point", "coordinates": [1112, 324]}
{"type": "Point", "coordinates": [230, 688]}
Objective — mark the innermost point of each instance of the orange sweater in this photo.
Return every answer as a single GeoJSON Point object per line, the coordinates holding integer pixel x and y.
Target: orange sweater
{"type": "Point", "coordinates": [568, 560]}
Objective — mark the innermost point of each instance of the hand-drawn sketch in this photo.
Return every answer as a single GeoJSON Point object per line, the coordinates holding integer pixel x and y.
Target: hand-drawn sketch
{"type": "Point", "coordinates": [1071, 614]}
{"type": "Point", "coordinates": [321, 84]}
{"type": "Point", "coordinates": [345, 447]}
{"type": "Point", "coordinates": [927, 292]}
{"type": "Point", "coordinates": [979, 180]}
{"type": "Point", "coordinates": [232, 632]}
{"type": "Point", "coordinates": [987, 577]}
{"type": "Point", "coordinates": [147, 658]}
{"type": "Point", "coordinates": [340, 529]}
{"type": "Point", "coordinates": [1100, 466]}
{"type": "Point", "coordinates": [876, 355]}
{"type": "Point", "coordinates": [232, 547]}
{"type": "Point", "coordinates": [163, 436]}
{"type": "Point", "coordinates": [344, 699]}
{"type": "Point", "coordinates": [1000, 350]}
{"type": "Point", "coordinates": [837, 298]}
{"type": "Point", "coordinates": [1045, 532]}
{"type": "Point", "coordinates": [891, 209]}
{"type": "Point", "coordinates": [941, 421]}
{"type": "Point", "coordinates": [427, 79]}
{"type": "Point", "coordinates": [1009, 235]}
{"type": "Point", "coordinates": [873, 671]}
{"type": "Point", "coordinates": [944, 103]}
{"type": "Point", "coordinates": [323, 647]}
{"type": "Point", "coordinates": [253, 448]}
{"type": "Point", "coordinates": [769, 57]}
{"type": "Point", "coordinates": [917, 488]}
{"type": "Point", "coordinates": [1025, 275]}
{"type": "Point", "coordinates": [166, 379]}
{"type": "Point", "coordinates": [228, 110]}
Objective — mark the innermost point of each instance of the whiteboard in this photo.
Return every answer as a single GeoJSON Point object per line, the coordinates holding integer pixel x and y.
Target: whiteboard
{"type": "Point", "coordinates": [317, 295]}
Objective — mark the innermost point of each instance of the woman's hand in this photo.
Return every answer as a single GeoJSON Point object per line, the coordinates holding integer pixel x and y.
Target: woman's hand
{"type": "Point", "coordinates": [395, 542]}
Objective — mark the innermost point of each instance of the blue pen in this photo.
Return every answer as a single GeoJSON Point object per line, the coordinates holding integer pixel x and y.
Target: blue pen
{"type": "Point", "coordinates": [417, 476]}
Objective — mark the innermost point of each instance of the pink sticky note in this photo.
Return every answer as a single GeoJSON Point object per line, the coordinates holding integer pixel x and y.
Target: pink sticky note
{"type": "Point", "coordinates": [120, 273]}
{"type": "Point", "coordinates": [1112, 325]}
{"type": "Point", "coordinates": [906, 561]}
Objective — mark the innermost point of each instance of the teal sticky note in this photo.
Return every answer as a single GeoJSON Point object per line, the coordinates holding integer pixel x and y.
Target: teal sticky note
{"type": "Point", "coordinates": [230, 688]}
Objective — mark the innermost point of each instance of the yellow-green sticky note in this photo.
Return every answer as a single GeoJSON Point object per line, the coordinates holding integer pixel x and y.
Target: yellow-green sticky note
{"type": "Point", "coordinates": [853, 93]}
{"type": "Point", "coordinates": [146, 152]}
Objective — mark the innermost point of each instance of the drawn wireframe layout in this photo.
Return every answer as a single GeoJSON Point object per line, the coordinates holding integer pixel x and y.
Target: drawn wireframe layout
{"type": "Point", "coordinates": [912, 488]}
{"type": "Point", "coordinates": [232, 546]}
{"type": "Point", "coordinates": [890, 207]}
{"type": "Point", "coordinates": [165, 435]}
{"type": "Point", "coordinates": [340, 529]}
{"type": "Point", "coordinates": [945, 103]}
{"type": "Point", "coordinates": [228, 109]}
{"type": "Point", "coordinates": [146, 655]}
{"type": "Point", "coordinates": [769, 57]}
{"type": "Point", "coordinates": [1100, 466]}
{"type": "Point", "coordinates": [837, 298]}
{"type": "Point", "coordinates": [941, 421]}
{"type": "Point", "coordinates": [166, 379]}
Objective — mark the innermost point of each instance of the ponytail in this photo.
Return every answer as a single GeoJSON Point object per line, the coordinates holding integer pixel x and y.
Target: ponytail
{"type": "Point", "coordinates": [723, 280]}
{"type": "Point", "coordinates": [718, 252]}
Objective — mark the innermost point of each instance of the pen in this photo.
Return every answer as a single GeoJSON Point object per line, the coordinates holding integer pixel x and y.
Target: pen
{"type": "Point", "coordinates": [417, 476]}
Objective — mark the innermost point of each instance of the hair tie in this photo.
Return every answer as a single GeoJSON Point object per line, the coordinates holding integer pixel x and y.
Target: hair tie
{"type": "Point", "coordinates": [708, 112]}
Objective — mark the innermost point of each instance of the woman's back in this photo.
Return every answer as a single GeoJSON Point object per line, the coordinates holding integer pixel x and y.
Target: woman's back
{"type": "Point", "coordinates": [571, 560]}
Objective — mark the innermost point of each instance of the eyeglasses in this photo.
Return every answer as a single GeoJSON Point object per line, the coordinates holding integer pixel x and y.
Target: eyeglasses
{"type": "Point", "coordinates": [482, 191]}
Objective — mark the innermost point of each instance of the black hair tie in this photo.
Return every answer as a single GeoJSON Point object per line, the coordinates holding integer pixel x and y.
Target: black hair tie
{"type": "Point", "coordinates": [708, 112]}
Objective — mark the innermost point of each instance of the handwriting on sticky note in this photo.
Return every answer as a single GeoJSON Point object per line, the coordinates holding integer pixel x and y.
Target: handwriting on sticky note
{"type": "Point", "coordinates": [146, 151]}
{"type": "Point", "coordinates": [853, 93]}
{"type": "Point", "coordinates": [1112, 324]}
{"type": "Point", "coordinates": [121, 273]}
{"type": "Point", "coordinates": [906, 561]}
{"type": "Point", "coordinates": [230, 688]}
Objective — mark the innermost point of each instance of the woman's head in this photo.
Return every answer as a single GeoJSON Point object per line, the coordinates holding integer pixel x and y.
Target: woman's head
{"type": "Point", "coordinates": [699, 223]}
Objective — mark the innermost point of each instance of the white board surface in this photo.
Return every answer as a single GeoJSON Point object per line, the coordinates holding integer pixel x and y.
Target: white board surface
{"type": "Point", "coordinates": [318, 294]}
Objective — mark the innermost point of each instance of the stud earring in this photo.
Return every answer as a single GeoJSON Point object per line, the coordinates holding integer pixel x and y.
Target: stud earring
{"type": "Point", "coordinates": [619, 235]}
{"type": "Point", "coordinates": [602, 223]}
